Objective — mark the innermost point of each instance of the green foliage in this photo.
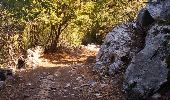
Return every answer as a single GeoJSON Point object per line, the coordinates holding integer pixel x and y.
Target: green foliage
{"type": "Point", "coordinates": [52, 23]}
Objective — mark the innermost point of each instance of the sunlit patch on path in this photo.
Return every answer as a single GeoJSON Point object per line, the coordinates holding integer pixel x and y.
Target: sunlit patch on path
{"type": "Point", "coordinates": [63, 76]}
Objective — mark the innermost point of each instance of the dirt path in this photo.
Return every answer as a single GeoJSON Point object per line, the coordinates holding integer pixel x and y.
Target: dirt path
{"type": "Point", "coordinates": [63, 78]}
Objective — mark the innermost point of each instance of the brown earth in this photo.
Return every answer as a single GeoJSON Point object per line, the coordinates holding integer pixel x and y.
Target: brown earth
{"type": "Point", "coordinates": [63, 76]}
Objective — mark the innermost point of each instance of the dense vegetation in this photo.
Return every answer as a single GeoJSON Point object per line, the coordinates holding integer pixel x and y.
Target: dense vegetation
{"type": "Point", "coordinates": [53, 23]}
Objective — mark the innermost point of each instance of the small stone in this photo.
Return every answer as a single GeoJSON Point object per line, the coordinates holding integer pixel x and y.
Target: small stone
{"type": "Point", "coordinates": [103, 85]}
{"type": "Point", "coordinates": [75, 88]}
{"type": "Point", "coordinates": [98, 95]}
{"type": "Point", "coordinates": [156, 96]}
{"type": "Point", "coordinates": [92, 83]}
{"type": "Point", "coordinates": [68, 85]}
{"type": "Point", "coordinates": [65, 90]}
{"type": "Point", "coordinates": [2, 83]}
{"type": "Point", "coordinates": [29, 84]}
{"type": "Point", "coordinates": [78, 78]}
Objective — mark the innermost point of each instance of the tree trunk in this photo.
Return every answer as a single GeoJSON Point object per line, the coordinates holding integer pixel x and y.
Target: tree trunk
{"type": "Point", "coordinates": [55, 40]}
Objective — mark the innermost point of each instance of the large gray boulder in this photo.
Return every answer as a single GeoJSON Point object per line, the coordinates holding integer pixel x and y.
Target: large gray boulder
{"type": "Point", "coordinates": [148, 70]}
{"type": "Point", "coordinates": [144, 20]}
{"type": "Point", "coordinates": [155, 9]}
{"type": "Point", "coordinates": [160, 11]}
{"type": "Point", "coordinates": [141, 48]}
{"type": "Point", "coordinates": [118, 48]}
{"type": "Point", "coordinates": [122, 44]}
{"type": "Point", "coordinates": [165, 14]}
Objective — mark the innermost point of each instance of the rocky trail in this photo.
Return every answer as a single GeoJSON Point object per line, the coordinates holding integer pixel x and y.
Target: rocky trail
{"type": "Point", "coordinates": [63, 76]}
{"type": "Point", "coordinates": [133, 63]}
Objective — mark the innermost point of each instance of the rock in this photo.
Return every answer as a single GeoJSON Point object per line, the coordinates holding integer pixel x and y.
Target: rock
{"type": "Point", "coordinates": [156, 96]}
{"type": "Point", "coordinates": [98, 95]}
{"type": "Point", "coordinates": [2, 83]}
{"type": "Point", "coordinates": [160, 11]}
{"type": "Point", "coordinates": [21, 62]}
{"type": "Point", "coordinates": [142, 47]}
{"type": "Point", "coordinates": [5, 73]}
{"type": "Point", "coordinates": [2, 76]}
{"type": "Point", "coordinates": [165, 14]}
{"type": "Point", "coordinates": [68, 85]}
{"type": "Point", "coordinates": [92, 83]}
{"type": "Point", "coordinates": [103, 85]}
{"type": "Point", "coordinates": [91, 59]}
{"type": "Point", "coordinates": [144, 20]}
{"type": "Point", "coordinates": [148, 70]}
{"type": "Point", "coordinates": [33, 56]}
{"type": "Point", "coordinates": [118, 48]}
{"type": "Point", "coordinates": [155, 10]}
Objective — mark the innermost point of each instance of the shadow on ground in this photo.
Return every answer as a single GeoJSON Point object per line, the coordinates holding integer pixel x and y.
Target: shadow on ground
{"type": "Point", "coordinates": [65, 78]}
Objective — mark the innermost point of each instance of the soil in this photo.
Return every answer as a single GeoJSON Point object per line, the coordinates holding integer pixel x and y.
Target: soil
{"type": "Point", "coordinates": [63, 76]}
